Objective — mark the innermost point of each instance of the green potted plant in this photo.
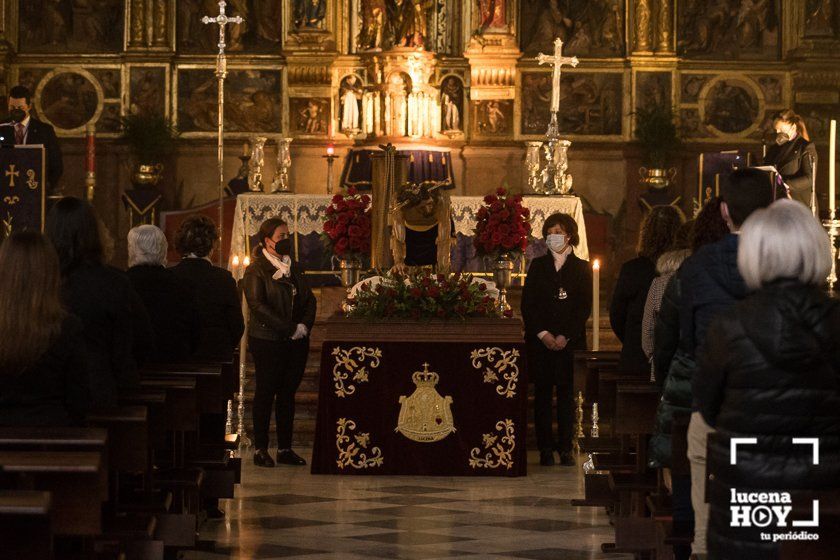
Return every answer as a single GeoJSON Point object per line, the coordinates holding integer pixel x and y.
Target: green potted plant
{"type": "Point", "coordinates": [657, 133]}
{"type": "Point", "coordinates": [150, 139]}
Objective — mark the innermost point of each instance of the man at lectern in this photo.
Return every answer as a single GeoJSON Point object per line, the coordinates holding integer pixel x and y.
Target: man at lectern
{"type": "Point", "coordinates": [23, 129]}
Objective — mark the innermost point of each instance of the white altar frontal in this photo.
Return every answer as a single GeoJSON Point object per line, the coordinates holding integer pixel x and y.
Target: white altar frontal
{"type": "Point", "coordinates": [306, 213]}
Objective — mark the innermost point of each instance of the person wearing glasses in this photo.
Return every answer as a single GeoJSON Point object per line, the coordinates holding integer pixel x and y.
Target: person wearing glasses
{"type": "Point", "coordinates": [282, 312]}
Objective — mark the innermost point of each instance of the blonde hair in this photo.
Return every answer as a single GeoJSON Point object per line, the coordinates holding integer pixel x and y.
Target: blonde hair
{"type": "Point", "coordinates": [783, 240]}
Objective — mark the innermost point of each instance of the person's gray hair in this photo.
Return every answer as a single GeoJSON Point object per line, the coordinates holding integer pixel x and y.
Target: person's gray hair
{"type": "Point", "coordinates": [147, 245]}
{"type": "Point", "coordinates": [783, 241]}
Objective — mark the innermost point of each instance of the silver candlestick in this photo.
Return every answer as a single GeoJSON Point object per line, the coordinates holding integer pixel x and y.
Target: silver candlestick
{"type": "Point", "coordinates": [255, 168]}
{"type": "Point", "coordinates": [284, 162]}
{"type": "Point", "coordinates": [552, 177]}
{"type": "Point", "coordinates": [832, 226]}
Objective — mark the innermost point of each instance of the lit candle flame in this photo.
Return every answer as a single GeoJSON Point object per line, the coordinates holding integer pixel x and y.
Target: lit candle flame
{"type": "Point", "coordinates": [246, 261]}
{"type": "Point", "coordinates": [235, 261]}
{"type": "Point", "coordinates": [596, 264]}
{"type": "Point", "coordinates": [330, 150]}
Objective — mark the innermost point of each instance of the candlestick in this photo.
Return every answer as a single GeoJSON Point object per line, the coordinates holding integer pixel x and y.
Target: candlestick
{"type": "Point", "coordinates": [90, 162]}
{"type": "Point", "coordinates": [832, 160]}
{"type": "Point", "coordinates": [330, 157]}
{"type": "Point", "coordinates": [596, 305]}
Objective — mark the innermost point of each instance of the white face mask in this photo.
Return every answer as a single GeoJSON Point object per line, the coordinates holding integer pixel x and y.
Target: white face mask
{"type": "Point", "coordinates": [556, 242]}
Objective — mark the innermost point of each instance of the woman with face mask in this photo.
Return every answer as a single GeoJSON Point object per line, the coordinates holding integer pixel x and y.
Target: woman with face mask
{"type": "Point", "coordinates": [556, 303]}
{"type": "Point", "coordinates": [793, 155]}
{"type": "Point", "coordinates": [282, 309]}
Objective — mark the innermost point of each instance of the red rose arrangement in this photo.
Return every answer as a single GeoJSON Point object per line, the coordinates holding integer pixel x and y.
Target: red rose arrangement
{"type": "Point", "coordinates": [348, 226]}
{"type": "Point", "coordinates": [422, 296]}
{"type": "Point", "coordinates": [503, 225]}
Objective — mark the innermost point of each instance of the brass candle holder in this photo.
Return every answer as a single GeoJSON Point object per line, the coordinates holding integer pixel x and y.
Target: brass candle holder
{"type": "Point", "coordinates": [832, 226]}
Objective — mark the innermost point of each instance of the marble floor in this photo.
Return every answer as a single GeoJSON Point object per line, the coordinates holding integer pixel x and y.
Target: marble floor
{"type": "Point", "coordinates": [286, 513]}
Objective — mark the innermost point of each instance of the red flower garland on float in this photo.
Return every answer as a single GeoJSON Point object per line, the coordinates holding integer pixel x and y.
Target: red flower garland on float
{"type": "Point", "coordinates": [348, 226]}
{"type": "Point", "coordinates": [503, 225]}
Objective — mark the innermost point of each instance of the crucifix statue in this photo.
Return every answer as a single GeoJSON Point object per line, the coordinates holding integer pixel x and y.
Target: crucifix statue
{"type": "Point", "coordinates": [221, 73]}
{"type": "Point", "coordinates": [558, 60]}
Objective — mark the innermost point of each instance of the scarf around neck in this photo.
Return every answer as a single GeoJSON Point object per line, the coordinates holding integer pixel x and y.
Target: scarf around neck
{"type": "Point", "coordinates": [283, 266]}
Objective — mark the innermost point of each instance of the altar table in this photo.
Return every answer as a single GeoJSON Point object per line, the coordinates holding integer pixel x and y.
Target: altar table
{"type": "Point", "coordinates": [444, 398]}
{"type": "Point", "coordinates": [306, 213]}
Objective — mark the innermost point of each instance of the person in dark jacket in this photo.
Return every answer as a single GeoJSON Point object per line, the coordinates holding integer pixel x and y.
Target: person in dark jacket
{"type": "Point", "coordinates": [167, 298]}
{"type": "Point", "coordinates": [101, 296]}
{"type": "Point", "coordinates": [771, 371]}
{"type": "Point", "coordinates": [628, 302]}
{"type": "Point", "coordinates": [711, 284]}
{"type": "Point", "coordinates": [213, 290]}
{"type": "Point", "coordinates": [42, 359]}
{"type": "Point", "coordinates": [793, 155]}
{"type": "Point", "coordinates": [25, 129]}
{"type": "Point", "coordinates": [282, 313]}
{"type": "Point", "coordinates": [556, 303]}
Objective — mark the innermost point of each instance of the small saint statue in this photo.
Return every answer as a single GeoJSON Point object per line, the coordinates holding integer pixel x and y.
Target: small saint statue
{"type": "Point", "coordinates": [350, 105]}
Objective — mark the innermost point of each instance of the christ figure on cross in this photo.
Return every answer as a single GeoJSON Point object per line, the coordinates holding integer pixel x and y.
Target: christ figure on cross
{"type": "Point", "coordinates": [558, 60]}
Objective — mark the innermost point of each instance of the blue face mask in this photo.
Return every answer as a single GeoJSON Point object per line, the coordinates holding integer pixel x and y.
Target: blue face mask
{"type": "Point", "coordinates": [556, 242]}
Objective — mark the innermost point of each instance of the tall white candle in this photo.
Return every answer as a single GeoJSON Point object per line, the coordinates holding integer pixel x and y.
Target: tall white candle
{"type": "Point", "coordinates": [832, 160]}
{"type": "Point", "coordinates": [596, 305]}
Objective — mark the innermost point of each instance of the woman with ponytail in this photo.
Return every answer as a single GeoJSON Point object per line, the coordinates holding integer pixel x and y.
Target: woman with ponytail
{"type": "Point", "coordinates": [793, 155]}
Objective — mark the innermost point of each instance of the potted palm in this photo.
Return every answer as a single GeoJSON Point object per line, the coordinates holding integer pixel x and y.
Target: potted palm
{"type": "Point", "coordinates": [657, 133]}
{"type": "Point", "coordinates": [150, 139]}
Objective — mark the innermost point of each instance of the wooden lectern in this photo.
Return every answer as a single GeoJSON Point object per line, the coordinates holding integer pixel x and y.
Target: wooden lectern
{"type": "Point", "coordinates": [23, 201]}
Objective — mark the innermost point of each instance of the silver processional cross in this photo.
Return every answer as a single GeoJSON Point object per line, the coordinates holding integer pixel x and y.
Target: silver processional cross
{"type": "Point", "coordinates": [558, 60]}
{"type": "Point", "coordinates": [222, 20]}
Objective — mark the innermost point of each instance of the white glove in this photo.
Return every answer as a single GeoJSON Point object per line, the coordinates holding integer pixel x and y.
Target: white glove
{"type": "Point", "coordinates": [300, 332]}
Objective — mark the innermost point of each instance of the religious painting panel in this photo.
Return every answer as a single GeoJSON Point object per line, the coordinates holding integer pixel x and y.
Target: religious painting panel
{"type": "Point", "coordinates": [817, 114]}
{"type": "Point", "coordinates": [653, 89]}
{"type": "Point", "coordinates": [731, 106]}
{"type": "Point", "coordinates": [308, 15]}
{"type": "Point", "coordinates": [69, 99]}
{"type": "Point", "coordinates": [71, 26]}
{"type": "Point", "coordinates": [451, 105]}
{"type": "Point", "coordinates": [591, 28]}
{"type": "Point", "coordinates": [493, 117]}
{"type": "Point", "coordinates": [148, 91]}
{"type": "Point", "coordinates": [261, 32]}
{"type": "Point", "coordinates": [253, 101]}
{"type": "Point", "coordinates": [491, 17]}
{"type": "Point", "coordinates": [309, 116]}
{"type": "Point", "coordinates": [385, 24]}
{"type": "Point", "coordinates": [729, 29]}
{"type": "Point", "coordinates": [691, 85]}
{"type": "Point", "coordinates": [110, 120]}
{"type": "Point", "coordinates": [590, 103]}
{"type": "Point", "coordinates": [690, 124]}
{"type": "Point", "coordinates": [110, 79]}
{"type": "Point", "coordinates": [822, 19]}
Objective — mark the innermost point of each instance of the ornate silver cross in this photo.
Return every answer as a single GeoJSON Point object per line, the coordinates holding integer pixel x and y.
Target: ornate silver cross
{"type": "Point", "coordinates": [558, 60]}
{"type": "Point", "coordinates": [222, 20]}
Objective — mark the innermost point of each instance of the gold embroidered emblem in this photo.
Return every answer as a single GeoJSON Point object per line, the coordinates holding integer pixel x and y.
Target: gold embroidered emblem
{"type": "Point", "coordinates": [353, 452]}
{"type": "Point", "coordinates": [353, 363]}
{"type": "Point", "coordinates": [425, 416]}
{"type": "Point", "coordinates": [500, 363]}
{"type": "Point", "coordinates": [497, 448]}
{"type": "Point", "coordinates": [30, 181]}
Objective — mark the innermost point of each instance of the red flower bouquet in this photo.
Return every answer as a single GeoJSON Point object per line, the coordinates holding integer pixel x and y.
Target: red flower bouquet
{"type": "Point", "coordinates": [348, 226]}
{"type": "Point", "coordinates": [503, 225]}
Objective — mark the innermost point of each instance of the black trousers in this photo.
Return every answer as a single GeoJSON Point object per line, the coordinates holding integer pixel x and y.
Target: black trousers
{"type": "Point", "coordinates": [279, 369]}
{"type": "Point", "coordinates": [552, 372]}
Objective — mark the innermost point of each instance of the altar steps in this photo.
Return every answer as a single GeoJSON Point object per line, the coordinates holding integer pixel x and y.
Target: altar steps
{"type": "Point", "coordinates": [307, 395]}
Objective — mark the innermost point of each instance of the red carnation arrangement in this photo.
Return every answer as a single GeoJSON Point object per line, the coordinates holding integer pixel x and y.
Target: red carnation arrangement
{"type": "Point", "coordinates": [503, 225]}
{"type": "Point", "coordinates": [348, 226]}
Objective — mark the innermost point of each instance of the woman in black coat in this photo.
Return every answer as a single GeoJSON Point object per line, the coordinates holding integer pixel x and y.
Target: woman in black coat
{"type": "Point", "coordinates": [282, 309]}
{"type": "Point", "coordinates": [556, 303]}
{"type": "Point", "coordinates": [627, 307]}
{"type": "Point", "coordinates": [793, 155]}
{"type": "Point", "coordinates": [116, 326]}
{"type": "Point", "coordinates": [213, 290]}
{"type": "Point", "coordinates": [43, 373]}
{"type": "Point", "coordinates": [770, 370]}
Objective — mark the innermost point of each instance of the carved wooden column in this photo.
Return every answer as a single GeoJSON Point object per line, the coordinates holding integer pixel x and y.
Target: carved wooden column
{"type": "Point", "coordinates": [643, 14]}
{"type": "Point", "coordinates": [137, 23]}
{"type": "Point", "coordinates": [665, 27]}
{"type": "Point", "coordinates": [159, 20]}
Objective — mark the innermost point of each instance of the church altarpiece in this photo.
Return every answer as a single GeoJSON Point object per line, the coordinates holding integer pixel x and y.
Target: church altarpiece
{"type": "Point", "coordinates": [458, 73]}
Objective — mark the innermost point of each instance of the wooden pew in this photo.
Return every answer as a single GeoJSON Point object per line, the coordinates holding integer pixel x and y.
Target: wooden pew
{"type": "Point", "coordinates": [63, 474]}
{"type": "Point", "coordinates": [25, 525]}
